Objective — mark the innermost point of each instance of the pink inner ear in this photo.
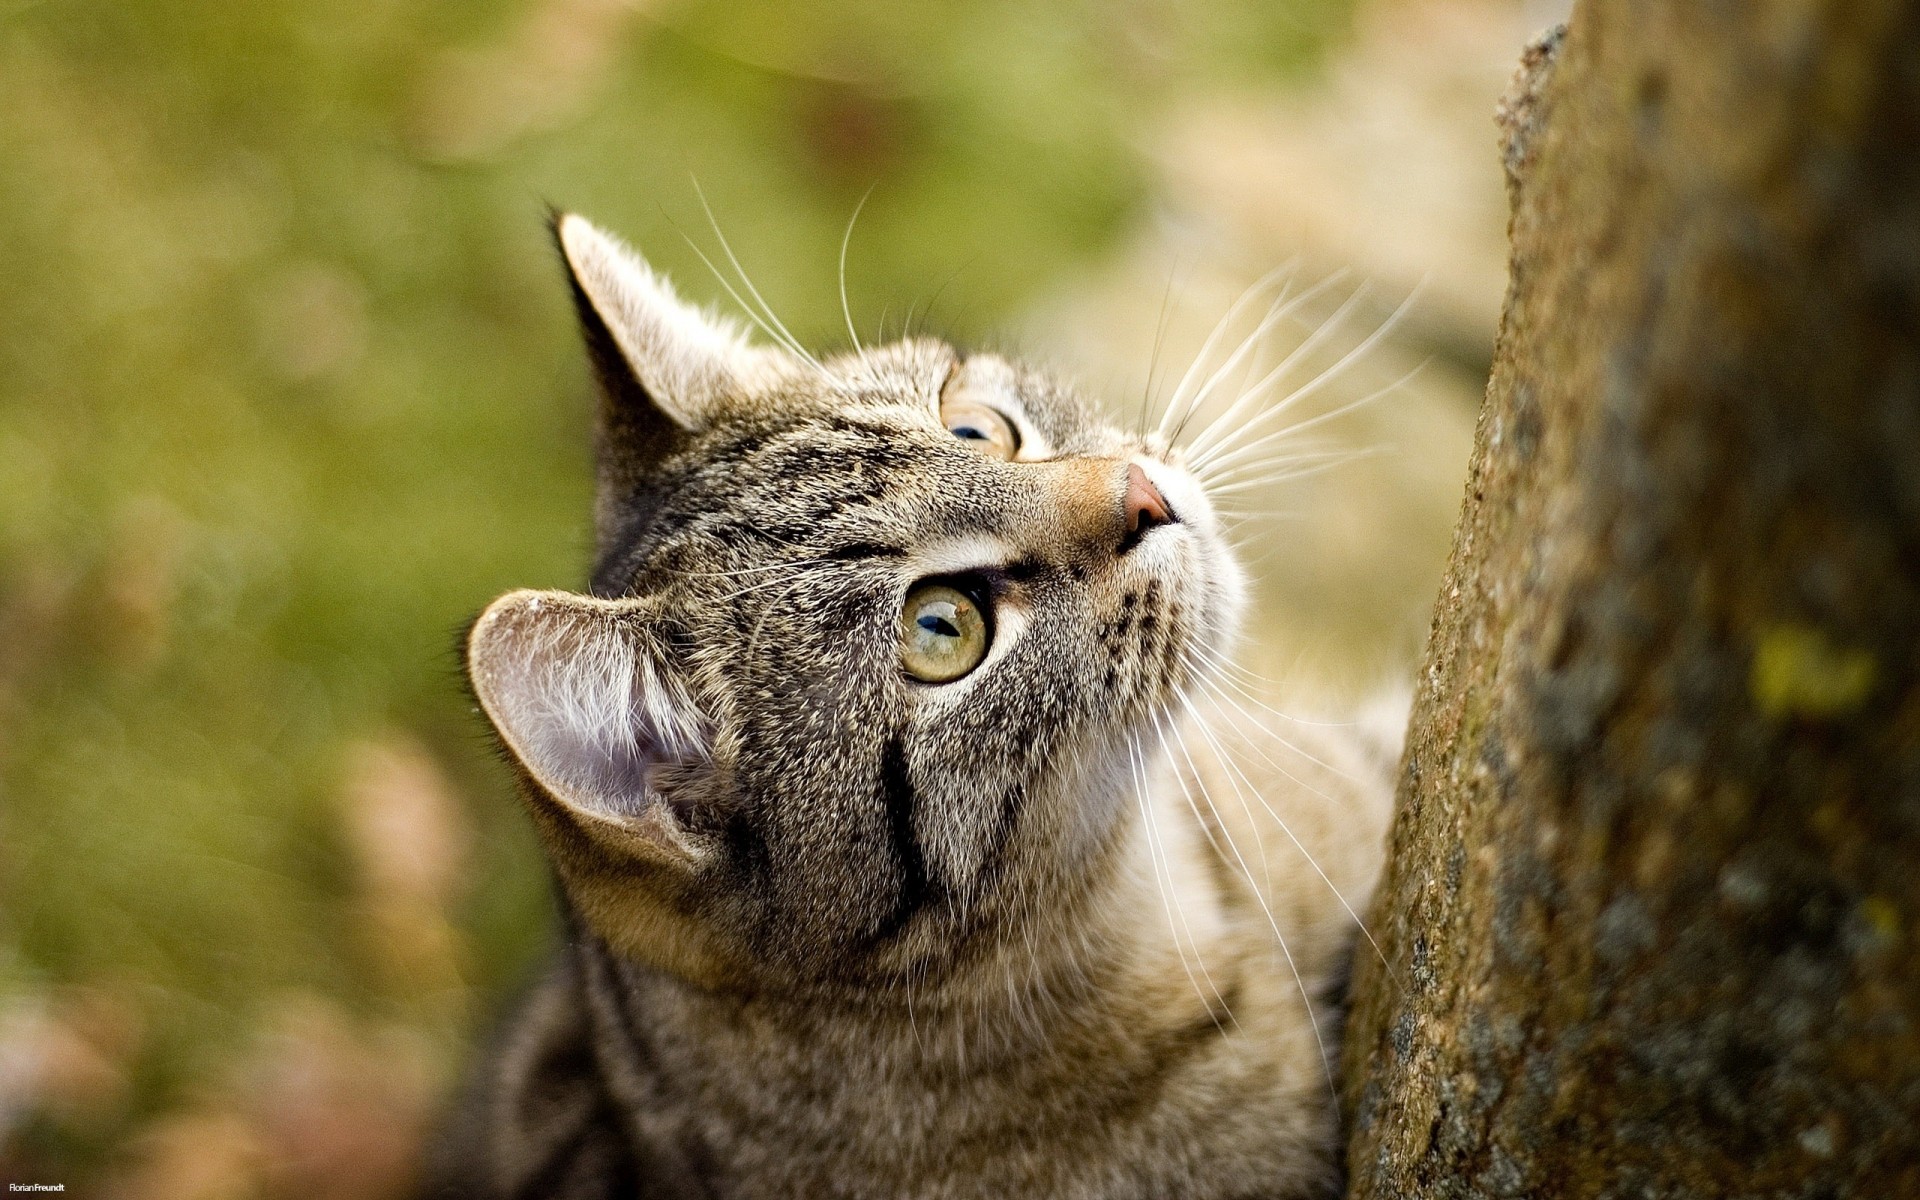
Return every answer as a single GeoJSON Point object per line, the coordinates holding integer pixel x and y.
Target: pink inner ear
{"type": "Point", "coordinates": [608, 779]}
{"type": "Point", "coordinates": [571, 684]}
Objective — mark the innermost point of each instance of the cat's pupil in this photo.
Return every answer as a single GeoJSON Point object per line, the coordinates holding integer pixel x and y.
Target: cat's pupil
{"type": "Point", "coordinates": [944, 633]}
{"type": "Point", "coordinates": [970, 420]}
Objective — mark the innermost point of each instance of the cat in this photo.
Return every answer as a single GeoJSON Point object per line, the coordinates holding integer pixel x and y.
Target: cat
{"type": "Point", "coordinates": [915, 833]}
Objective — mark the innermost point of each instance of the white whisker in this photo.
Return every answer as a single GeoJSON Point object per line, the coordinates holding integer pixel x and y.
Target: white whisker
{"type": "Point", "coordinates": [1277, 312]}
{"type": "Point", "coordinates": [1204, 447]}
{"type": "Point", "coordinates": [774, 327]}
{"type": "Point", "coordinates": [1306, 997]}
{"type": "Point", "coordinates": [1169, 897]}
{"type": "Point", "coordinates": [1224, 419]}
{"type": "Point", "coordinates": [778, 566]}
{"type": "Point", "coordinates": [1175, 402]}
{"type": "Point", "coordinates": [1211, 674]}
{"type": "Point", "coordinates": [1226, 451]}
{"type": "Point", "coordinates": [846, 310]}
{"type": "Point", "coordinates": [1234, 770]}
{"type": "Point", "coordinates": [792, 348]}
{"type": "Point", "coordinates": [1239, 456]}
{"type": "Point", "coordinates": [1265, 474]}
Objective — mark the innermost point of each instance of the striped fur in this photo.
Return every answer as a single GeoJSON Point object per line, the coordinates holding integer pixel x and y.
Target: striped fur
{"type": "Point", "coordinates": [1056, 928]}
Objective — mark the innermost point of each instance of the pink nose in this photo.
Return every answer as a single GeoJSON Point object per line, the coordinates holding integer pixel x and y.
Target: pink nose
{"type": "Point", "coordinates": [1145, 507]}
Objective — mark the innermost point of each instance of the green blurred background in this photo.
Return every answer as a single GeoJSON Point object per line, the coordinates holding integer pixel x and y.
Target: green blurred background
{"type": "Point", "coordinates": [289, 389]}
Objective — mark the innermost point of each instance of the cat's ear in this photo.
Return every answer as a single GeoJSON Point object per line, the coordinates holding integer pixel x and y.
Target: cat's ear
{"type": "Point", "coordinates": [582, 694]}
{"type": "Point", "coordinates": [655, 355]}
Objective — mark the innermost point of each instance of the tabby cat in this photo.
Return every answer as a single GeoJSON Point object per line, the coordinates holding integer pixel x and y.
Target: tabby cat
{"type": "Point", "coordinates": [913, 834]}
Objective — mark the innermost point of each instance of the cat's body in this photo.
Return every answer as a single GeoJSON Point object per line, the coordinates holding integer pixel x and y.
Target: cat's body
{"type": "Point", "coordinates": [914, 840]}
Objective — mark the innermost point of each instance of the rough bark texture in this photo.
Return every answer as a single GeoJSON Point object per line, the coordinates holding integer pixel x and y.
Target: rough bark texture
{"type": "Point", "coordinates": [1651, 922]}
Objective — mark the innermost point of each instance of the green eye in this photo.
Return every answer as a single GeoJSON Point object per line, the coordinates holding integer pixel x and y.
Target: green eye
{"type": "Point", "coordinates": [943, 633]}
{"type": "Point", "coordinates": [974, 422]}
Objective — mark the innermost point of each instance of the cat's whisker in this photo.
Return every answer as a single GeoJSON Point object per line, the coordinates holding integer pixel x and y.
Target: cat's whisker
{"type": "Point", "coordinates": [1227, 451]}
{"type": "Point", "coordinates": [792, 348]}
{"type": "Point", "coordinates": [1206, 793]}
{"type": "Point", "coordinates": [1275, 476]}
{"type": "Point", "coordinates": [1038, 994]}
{"type": "Point", "coordinates": [932, 302]}
{"type": "Point", "coordinates": [1206, 832]}
{"type": "Point", "coordinates": [1254, 339]}
{"type": "Point", "coordinates": [1224, 433]}
{"type": "Point", "coordinates": [1153, 359]}
{"type": "Point", "coordinates": [1234, 518]}
{"type": "Point", "coordinates": [1255, 679]}
{"type": "Point", "coordinates": [1220, 696]}
{"type": "Point", "coordinates": [1211, 470]}
{"type": "Point", "coordinates": [846, 310]}
{"type": "Point", "coordinates": [1235, 771]}
{"type": "Point", "coordinates": [713, 222]}
{"type": "Point", "coordinates": [774, 326]}
{"type": "Point", "coordinates": [1273, 925]}
{"type": "Point", "coordinates": [1215, 681]}
{"type": "Point", "coordinates": [1180, 740]}
{"type": "Point", "coordinates": [1283, 308]}
{"type": "Point", "coordinates": [735, 574]}
{"type": "Point", "coordinates": [1163, 883]}
{"type": "Point", "coordinates": [1175, 402]}
{"type": "Point", "coordinates": [1305, 447]}
{"type": "Point", "coordinates": [903, 982]}
{"type": "Point", "coordinates": [1247, 451]}
{"type": "Point", "coordinates": [1012, 991]}
{"type": "Point", "coordinates": [1246, 496]}
{"type": "Point", "coordinates": [1292, 455]}
{"type": "Point", "coordinates": [1210, 676]}
{"type": "Point", "coordinates": [1236, 473]}
{"type": "Point", "coordinates": [761, 586]}
{"type": "Point", "coordinates": [753, 635]}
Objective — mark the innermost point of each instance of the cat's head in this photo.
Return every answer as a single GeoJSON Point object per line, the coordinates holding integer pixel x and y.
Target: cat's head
{"type": "Point", "coordinates": [870, 646]}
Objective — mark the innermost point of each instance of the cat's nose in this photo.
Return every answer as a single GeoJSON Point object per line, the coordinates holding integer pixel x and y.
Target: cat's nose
{"type": "Point", "coordinates": [1145, 507]}
{"type": "Point", "coordinates": [1104, 505]}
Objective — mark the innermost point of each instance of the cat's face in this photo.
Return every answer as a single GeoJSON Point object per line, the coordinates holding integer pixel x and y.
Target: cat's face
{"type": "Point", "coordinates": [871, 645]}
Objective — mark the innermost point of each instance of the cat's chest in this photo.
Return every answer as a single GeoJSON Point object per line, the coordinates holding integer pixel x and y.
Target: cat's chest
{"type": "Point", "coordinates": [1201, 1105]}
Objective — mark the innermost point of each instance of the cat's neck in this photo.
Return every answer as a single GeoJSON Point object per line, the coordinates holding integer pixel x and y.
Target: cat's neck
{"type": "Point", "coordinates": [1161, 981]}
{"type": "Point", "coordinates": [1132, 953]}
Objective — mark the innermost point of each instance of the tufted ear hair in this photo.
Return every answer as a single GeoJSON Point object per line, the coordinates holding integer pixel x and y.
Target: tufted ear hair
{"type": "Point", "coordinates": [664, 367]}
{"type": "Point", "coordinates": [583, 695]}
{"type": "Point", "coordinates": [665, 353]}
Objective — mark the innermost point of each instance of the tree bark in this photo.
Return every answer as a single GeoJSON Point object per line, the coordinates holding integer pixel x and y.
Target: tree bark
{"type": "Point", "coordinates": [1651, 917]}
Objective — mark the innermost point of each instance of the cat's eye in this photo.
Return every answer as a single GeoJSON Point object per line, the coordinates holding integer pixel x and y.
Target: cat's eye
{"type": "Point", "coordinates": [943, 633]}
{"type": "Point", "coordinates": [979, 424]}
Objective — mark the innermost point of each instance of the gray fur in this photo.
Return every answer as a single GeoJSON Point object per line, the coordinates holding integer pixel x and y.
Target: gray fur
{"type": "Point", "coordinates": [835, 932]}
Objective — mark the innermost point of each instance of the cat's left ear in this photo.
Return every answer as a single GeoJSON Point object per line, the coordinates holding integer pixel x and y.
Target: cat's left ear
{"type": "Point", "coordinates": [652, 351]}
{"type": "Point", "coordinates": [584, 695]}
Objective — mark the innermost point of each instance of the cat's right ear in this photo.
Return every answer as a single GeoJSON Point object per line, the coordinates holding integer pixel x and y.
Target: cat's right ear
{"type": "Point", "coordinates": [663, 365]}
{"type": "Point", "coordinates": [583, 696]}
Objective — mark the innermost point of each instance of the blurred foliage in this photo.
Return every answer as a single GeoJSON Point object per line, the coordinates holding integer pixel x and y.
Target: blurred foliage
{"type": "Point", "coordinates": [288, 389]}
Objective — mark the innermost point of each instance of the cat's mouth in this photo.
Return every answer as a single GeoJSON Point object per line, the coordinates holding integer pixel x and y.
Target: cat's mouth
{"type": "Point", "coordinates": [1200, 574]}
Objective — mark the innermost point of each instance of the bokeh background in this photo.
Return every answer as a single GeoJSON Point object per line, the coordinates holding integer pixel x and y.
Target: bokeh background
{"type": "Point", "coordinates": [289, 389]}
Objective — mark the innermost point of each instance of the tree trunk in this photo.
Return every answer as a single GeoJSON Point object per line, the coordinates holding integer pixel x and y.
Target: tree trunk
{"type": "Point", "coordinates": [1651, 919]}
